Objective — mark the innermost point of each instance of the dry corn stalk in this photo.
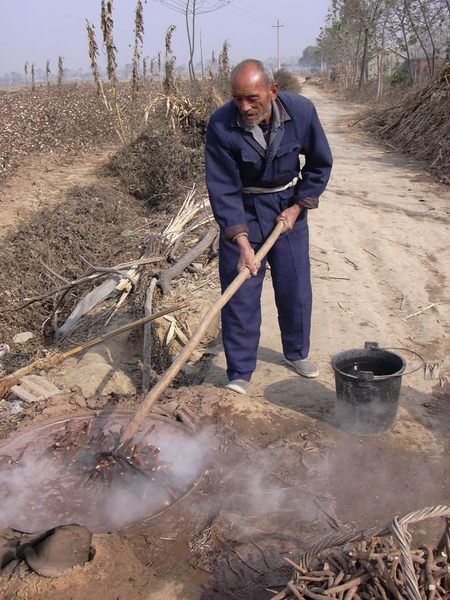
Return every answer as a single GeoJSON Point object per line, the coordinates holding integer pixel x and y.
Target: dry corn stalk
{"type": "Point", "coordinates": [138, 40]}
{"type": "Point", "coordinates": [93, 55]}
{"type": "Point", "coordinates": [188, 210]}
{"type": "Point", "coordinates": [111, 56]}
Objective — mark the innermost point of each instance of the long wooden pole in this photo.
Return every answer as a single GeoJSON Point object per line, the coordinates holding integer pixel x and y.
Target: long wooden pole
{"type": "Point", "coordinates": [52, 361]}
{"type": "Point", "coordinates": [156, 392]}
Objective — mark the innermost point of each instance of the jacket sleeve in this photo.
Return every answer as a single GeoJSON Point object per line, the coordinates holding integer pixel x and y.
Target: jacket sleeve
{"type": "Point", "coordinates": [317, 168]}
{"type": "Point", "coordinates": [224, 185]}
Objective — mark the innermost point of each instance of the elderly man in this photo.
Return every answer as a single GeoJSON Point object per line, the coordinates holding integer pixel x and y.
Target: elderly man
{"type": "Point", "coordinates": [254, 177]}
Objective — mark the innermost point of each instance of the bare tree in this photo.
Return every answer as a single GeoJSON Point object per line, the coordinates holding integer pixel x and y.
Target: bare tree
{"type": "Point", "coordinates": [191, 9]}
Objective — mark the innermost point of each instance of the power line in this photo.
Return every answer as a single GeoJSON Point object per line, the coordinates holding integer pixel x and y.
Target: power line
{"type": "Point", "coordinates": [261, 13]}
{"type": "Point", "coordinates": [239, 12]}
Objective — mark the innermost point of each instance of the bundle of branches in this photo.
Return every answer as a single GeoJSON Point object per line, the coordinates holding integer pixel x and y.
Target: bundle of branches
{"type": "Point", "coordinates": [189, 110]}
{"type": "Point", "coordinates": [376, 567]}
{"type": "Point", "coordinates": [157, 165]}
{"type": "Point", "coordinates": [420, 126]}
{"type": "Point", "coordinates": [287, 81]}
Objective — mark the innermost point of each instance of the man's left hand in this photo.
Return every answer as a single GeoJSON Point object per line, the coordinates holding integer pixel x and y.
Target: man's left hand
{"type": "Point", "coordinates": [289, 216]}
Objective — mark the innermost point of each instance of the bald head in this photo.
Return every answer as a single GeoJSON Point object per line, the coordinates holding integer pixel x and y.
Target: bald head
{"type": "Point", "coordinates": [254, 69]}
{"type": "Point", "coordinates": [253, 90]}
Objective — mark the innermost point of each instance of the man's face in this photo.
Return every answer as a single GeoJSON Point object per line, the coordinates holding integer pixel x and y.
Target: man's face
{"type": "Point", "coordinates": [253, 96]}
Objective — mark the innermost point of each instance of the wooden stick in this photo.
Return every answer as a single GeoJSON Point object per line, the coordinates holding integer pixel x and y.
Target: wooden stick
{"type": "Point", "coordinates": [147, 344]}
{"type": "Point", "coordinates": [348, 585]}
{"type": "Point", "coordinates": [92, 274]}
{"type": "Point", "coordinates": [419, 312]}
{"type": "Point", "coordinates": [51, 361]}
{"type": "Point", "coordinates": [295, 591]}
{"type": "Point", "coordinates": [281, 595]}
{"type": "Point", "coordinates": [330, 278]}
{"type": "Point", "coordinates": [156, 392]}
{"type": "Point", "coordinates": [295, 565]}
{"type": "Point", "coordinates": [166, 276]}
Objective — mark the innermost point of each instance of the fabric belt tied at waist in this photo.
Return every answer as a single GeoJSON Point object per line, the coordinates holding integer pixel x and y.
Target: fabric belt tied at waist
{"type": "Point", "coordinates": [262, 190]}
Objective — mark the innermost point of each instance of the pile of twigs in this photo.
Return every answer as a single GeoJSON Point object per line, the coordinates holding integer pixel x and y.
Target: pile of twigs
{"type": "Point", "coordinates": [376, 567]}
{"type": "Point", "coordinates": [420, 125]}
{"type": "Point", "coordinates": [183, 111]}
{"type": "Point", "coordinates": [98, 457]}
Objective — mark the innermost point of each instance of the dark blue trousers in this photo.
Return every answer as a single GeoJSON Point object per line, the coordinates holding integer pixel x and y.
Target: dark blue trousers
{"type": "Point", "coordinates": [241, 317]}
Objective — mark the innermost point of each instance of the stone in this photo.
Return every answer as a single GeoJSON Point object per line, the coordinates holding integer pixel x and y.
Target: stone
{"type": "Point", "coordinates": [22, 338]}
{"type": "Point", "coordinates": [4, 350]}
{"type": "Point", "coordinates": [33, 388]}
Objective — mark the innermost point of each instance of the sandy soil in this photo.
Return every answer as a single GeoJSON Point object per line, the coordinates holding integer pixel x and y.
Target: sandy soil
{"type": "Point", "coordinates": [280, 470]}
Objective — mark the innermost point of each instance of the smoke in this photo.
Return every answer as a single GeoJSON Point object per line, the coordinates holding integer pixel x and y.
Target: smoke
{"type": "Point", "coordinates": [46, 489]}
{"type": "Point", "coordinates": [247, 489]}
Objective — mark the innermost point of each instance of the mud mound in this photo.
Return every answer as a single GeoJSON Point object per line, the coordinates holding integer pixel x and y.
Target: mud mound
{"type": "Point", "coordinates": [421, 125]}
{"type": "Point", "coordinates": [93, 225]}
{"type": "Point", "coordinates": [157, 165]}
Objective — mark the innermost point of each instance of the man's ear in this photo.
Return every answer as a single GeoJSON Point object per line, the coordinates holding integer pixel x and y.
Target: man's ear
{"type": "Point", "coordinates": [274, 89]}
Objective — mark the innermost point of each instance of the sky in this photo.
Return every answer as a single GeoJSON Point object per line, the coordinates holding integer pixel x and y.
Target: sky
{"type": "Point", "coordinates": [37, 30]}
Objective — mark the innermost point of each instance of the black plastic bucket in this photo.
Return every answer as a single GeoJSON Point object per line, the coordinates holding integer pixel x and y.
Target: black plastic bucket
{"type": "Point", "coordinates": [368, 383]}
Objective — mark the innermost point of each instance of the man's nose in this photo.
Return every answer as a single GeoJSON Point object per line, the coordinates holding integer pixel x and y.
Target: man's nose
{"type": "Point", "coordinates": [245, 105]}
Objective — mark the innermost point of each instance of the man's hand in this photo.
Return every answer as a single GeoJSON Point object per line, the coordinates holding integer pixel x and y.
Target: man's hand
{"type": "Point", "coordinates": [247, 256]}
{"type": "Point", "coordinates": [289, 216]}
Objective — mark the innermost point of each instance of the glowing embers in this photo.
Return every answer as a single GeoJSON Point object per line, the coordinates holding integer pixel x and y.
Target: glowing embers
{"type": "Point", "coordinates": [53, 475]}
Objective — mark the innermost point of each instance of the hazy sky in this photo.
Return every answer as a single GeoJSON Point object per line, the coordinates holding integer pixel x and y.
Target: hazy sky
{"type": "Point", "coordinates": [37, 30]}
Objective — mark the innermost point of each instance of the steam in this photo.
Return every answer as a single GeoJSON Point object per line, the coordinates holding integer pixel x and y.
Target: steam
{"type": "Point", "coordinates": [248, 490]}
{"type": "Point", "coordinates": [39, 492]}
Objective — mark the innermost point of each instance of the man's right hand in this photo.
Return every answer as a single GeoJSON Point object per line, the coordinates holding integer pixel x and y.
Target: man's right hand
{"type": "Point", "coordinates": [247, 256]}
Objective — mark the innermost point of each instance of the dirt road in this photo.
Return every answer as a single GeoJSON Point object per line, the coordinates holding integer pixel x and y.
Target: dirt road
{"type": "Point", "coordinates": [380, 252]}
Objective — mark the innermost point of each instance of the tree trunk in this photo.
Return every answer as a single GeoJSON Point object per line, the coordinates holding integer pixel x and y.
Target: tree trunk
{"type": "Point", "coordinates": [364, 57]}
{"type": "Point", "coordinates": [419, 39]}
{"type": "Point", "coordinates": [408, 56]}
{"type": "Point", "coordinates": [355, 66]}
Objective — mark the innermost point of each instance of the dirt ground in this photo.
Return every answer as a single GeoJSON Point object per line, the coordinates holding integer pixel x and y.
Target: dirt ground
{"type": "Point", "coordinates": [280, 471]}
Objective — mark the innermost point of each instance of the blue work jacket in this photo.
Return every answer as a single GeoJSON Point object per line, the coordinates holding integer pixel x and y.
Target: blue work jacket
{"type": "Point", "coordinates": [236, 158]}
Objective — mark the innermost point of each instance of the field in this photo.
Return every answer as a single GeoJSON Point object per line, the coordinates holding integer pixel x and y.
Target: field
{"type": "Point", "coordinates": [279, 470]}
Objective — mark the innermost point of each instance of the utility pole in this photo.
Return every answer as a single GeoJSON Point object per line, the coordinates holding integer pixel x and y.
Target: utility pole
{"type": "Point", "coordinates": [278, 42]}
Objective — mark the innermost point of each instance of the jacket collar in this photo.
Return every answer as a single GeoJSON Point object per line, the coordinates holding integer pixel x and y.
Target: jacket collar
{"type": "Point", "coordinates": [257, 140]}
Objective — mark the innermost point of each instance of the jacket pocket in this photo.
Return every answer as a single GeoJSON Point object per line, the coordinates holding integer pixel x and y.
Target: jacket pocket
{"type": "Point", "coordinates": [251, 167]}
{"type": "Point", "coordinates": [286, 161]}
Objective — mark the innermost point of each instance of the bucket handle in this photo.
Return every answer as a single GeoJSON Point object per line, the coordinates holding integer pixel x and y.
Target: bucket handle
{"type": "Point", "coordinates": [375, 346]}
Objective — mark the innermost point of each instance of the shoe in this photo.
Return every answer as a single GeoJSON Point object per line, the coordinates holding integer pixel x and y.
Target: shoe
{"type": "Point", "coordinates": [304, 367]}
{"type": "Point", "coordinates": [238, 385]}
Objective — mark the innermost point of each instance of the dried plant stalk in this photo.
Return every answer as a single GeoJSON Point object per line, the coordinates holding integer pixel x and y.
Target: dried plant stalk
{"type": "Point", "coordinates": [138, 40]}
{"type": "Point", "coordinates": [47, 72]}
{"type": "Point", "coordinates": [93, 55]}
{"type": "Point", "coordinates": [224, 61]}
{"type": "Point", "coordinates": [60, 70]}
{"type": "Point", "coordinates": [33, 79]}
{"type": "Point", "coordinates": [169, 79]}
{"type": "Point", "coordinates": [107, 25]}
{"type": "Point", "coordinates": [144, 67]}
